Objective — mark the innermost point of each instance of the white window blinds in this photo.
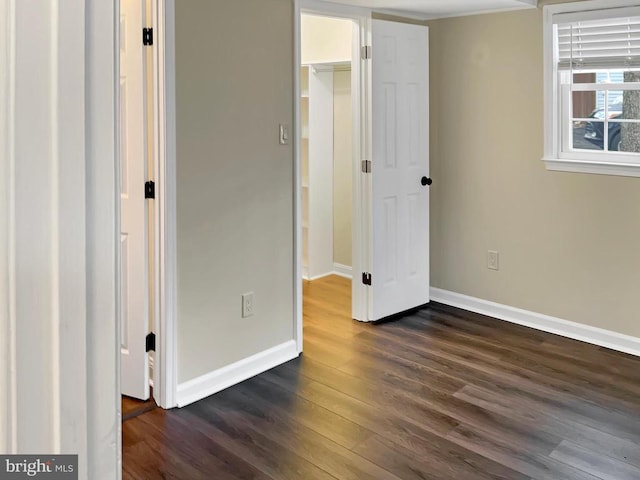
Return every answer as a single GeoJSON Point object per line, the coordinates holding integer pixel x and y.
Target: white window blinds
{"type": "Point", "coordinates": [598, 43]}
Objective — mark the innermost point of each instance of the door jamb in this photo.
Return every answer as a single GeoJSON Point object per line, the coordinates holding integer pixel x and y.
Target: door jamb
{"type": "Point", "coordinates": [361, 75]}
{"type": "Point", "coordinates": [164, 132]}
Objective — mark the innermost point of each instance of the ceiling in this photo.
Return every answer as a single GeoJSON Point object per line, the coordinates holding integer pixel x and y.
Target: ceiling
{"type": "Point", "coordinates": [439, 8]}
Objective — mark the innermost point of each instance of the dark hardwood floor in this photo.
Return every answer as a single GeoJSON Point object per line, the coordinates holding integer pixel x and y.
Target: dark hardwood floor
{"type": "Point", "coordinates": [440, 394]}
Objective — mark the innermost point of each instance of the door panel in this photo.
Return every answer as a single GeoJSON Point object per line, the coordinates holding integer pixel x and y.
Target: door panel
{"type": "Point", "coordinates": [133, 245]}
{"type": "Point", "coordinates": [400, 158]}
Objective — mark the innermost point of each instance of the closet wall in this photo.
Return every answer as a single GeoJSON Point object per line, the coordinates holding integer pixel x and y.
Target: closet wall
{"type": "Point", "coordinates": [327, 147]}
{"type": "Point", "coordinates": [342, 168]}
{"type": "Point", "coordinates": [325, 40]}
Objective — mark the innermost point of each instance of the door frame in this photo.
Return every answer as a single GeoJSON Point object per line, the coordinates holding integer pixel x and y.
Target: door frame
{"type": "Point", "coordinates": [165, 379]}
{"type": "Point", "coordinates": [360, 91]}
{"type": "Point", "coordinates": [163, 174]}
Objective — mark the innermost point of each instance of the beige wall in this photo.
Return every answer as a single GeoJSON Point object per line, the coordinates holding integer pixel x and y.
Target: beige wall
{"type": "Point", "coordinates": [342, 168]}
{"type": "Point", "coordinates": [569, 243]}
{"type": "Point", "coordinates": [234, 181]}
{"type": "Point", "coordinates": [326, 39]}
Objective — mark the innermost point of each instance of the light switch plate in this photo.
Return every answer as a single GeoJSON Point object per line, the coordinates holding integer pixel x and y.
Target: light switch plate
{"type": "Point", "coordinates": [284, 134]}
{"type": "Point", "coordinates": [493, 259]}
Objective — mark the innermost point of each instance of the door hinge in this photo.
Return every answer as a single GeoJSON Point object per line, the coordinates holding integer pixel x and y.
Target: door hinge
{"type": "Point", "coordinates": [149, 189]}
{"type": "Point", "coordinates": [366, 278]}
{"type": "Point", "coordinates": [366, 166]}
{"type": "Point", "coordinates": [147, 36]}
{"type": "Point", "coordinates": [366, 52]}
{"type": "Point", "coordinates": [151, 342]}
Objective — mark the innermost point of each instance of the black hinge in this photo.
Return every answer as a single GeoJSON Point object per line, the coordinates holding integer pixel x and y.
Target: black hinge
{"type": "Point", "coordinates": [366, 166]}
{"type": "Point", "coordinates": [151, 342]}
{"type": "Point", "coordinates": [366, 278]}
{"type": "Point", "coordinates": [149, 189]}
{"type": "Point", "coordinates": [147, 36]}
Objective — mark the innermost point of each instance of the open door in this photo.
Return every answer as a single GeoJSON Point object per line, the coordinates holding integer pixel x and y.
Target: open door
{"type": "Point", "coordinates": [399, 169]}
{"type": "Point", "coordinates": [134, 303]}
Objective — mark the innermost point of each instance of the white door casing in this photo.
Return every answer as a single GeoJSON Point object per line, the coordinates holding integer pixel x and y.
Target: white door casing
{"type": "Point", "coordinates": [133, 238]}
{"type": "Point", "coordinates": [400, 159]}
{"type": "Point", "coordinates": [58, 232]}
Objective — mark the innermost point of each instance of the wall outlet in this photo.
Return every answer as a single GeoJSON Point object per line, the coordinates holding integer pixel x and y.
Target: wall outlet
{"type": "Point", "coordinates": [247, 305]}
{"type": "Point", "coordinates": [493, 260]}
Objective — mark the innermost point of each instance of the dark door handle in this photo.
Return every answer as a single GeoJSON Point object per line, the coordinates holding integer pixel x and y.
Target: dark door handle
{"type": "Point", "coordinates": [426, 181]}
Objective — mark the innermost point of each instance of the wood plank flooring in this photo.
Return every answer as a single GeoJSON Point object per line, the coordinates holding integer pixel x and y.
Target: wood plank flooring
{"type": "Point", "coordinates": [440, 394]}
{"type": "Point", "coordinates": [132, 407]}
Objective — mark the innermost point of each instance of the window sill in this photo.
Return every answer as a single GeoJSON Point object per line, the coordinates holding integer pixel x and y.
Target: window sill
{"type": "Point", "coordinates": [585, 166]}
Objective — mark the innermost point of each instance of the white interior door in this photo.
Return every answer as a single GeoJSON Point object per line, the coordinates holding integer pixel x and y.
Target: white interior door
{"type": "Point", "coordinates": [134, 277]}
{"type": "Point", "coordinates": [400, 164]}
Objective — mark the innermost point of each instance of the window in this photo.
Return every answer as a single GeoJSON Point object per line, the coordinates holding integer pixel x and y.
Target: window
{"type": "Point", "coordinates": [592, 87]}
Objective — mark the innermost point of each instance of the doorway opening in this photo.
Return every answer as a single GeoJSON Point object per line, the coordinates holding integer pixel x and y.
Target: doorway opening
{"type": "Point", "coordinates": [390, 160]}
{"type": "Point", "coordinates": [329, 134]}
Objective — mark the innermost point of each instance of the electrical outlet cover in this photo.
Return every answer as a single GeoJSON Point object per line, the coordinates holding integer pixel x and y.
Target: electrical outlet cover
{"type": "Point", "coordinates": [247, 305]}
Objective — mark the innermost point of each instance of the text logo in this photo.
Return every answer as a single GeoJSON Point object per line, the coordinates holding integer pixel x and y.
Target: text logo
{"type": "Point", "coordinates": [50, 467]}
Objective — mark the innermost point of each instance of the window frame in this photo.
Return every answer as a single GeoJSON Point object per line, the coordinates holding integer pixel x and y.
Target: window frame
{"type": "Point", "coordinates": [555, 158]}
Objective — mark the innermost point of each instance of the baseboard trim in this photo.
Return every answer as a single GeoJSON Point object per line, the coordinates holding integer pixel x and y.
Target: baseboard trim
{"type": "Point", "coordinates": [225, 377]}
{"type": "Point", "coordinates": [584, 333]}
{"type": "Point", "coordinates": [328, 274]}
{"type": "Point", "coordinates": [343, 270]}
{"type": "Point", "coordinates": [318, 277]}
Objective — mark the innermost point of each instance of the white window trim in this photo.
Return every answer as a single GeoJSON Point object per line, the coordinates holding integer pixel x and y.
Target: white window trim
{"type": "Point", "coordinates": [553, 157]}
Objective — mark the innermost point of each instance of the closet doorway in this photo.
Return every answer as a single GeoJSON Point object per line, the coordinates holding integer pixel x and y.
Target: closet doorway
{"type": "Point", "coordinates": [327, 163]}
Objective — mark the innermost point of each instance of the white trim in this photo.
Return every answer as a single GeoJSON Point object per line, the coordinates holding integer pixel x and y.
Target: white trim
{"type": "Point", "coordinates": [318, 277]}
{"type": "Point", "coordinates": [342, 270]}
{"type": "Point", "coordinates": [551, 137]}
{"type": "Point", "coordinates": [530, 4]}
{"type": "Point", "coordinates": [545, 323]}
{"type": "Point", "coordinates": [104, 435]}
{"type": "Point", "coordinates": [602, 168]}
{"type": "Point", "coordinates": [399, 14]}
{"type": "Point", "coordinates": [8, 400]}
{"type": "Point", "coordinates": [339, 270]}
{"type": "Point", "coordinates": [157, 79]}
{"type": "Point", "coordinates": [588, 5]}
{"type": "Point", "coordinates": [58, 201]}
{"type": "Point", "coordinates": [300, 272]}
{"type": "Point", "coordinates": [165, 375]}
{"type": "Point", "coordinates": [225, 377]}
{"type": "Point", "coordinates": [328, 9]}
{"type": "Point", "coordinates": [361, 259]}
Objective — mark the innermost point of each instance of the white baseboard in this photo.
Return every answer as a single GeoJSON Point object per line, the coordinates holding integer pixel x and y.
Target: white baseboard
{"type": "Point", "coordinates": [338, 269]}
{"type": "Point", "coordinates": [342, 270]}
{"type": "Point", "coordinates": [546, 323]}
{"type": "Point", "coordinates": [225, 377]}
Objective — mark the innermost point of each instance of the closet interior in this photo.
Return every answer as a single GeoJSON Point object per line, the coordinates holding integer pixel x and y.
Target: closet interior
{"type": "Point", "coordinates": [327, 146]}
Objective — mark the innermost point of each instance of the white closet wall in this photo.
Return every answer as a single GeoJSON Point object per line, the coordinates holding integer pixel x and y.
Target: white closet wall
{"type": "Point", "coordinates": [317, 171]}
{"type": "Point", "coordinates": [326, 40]}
